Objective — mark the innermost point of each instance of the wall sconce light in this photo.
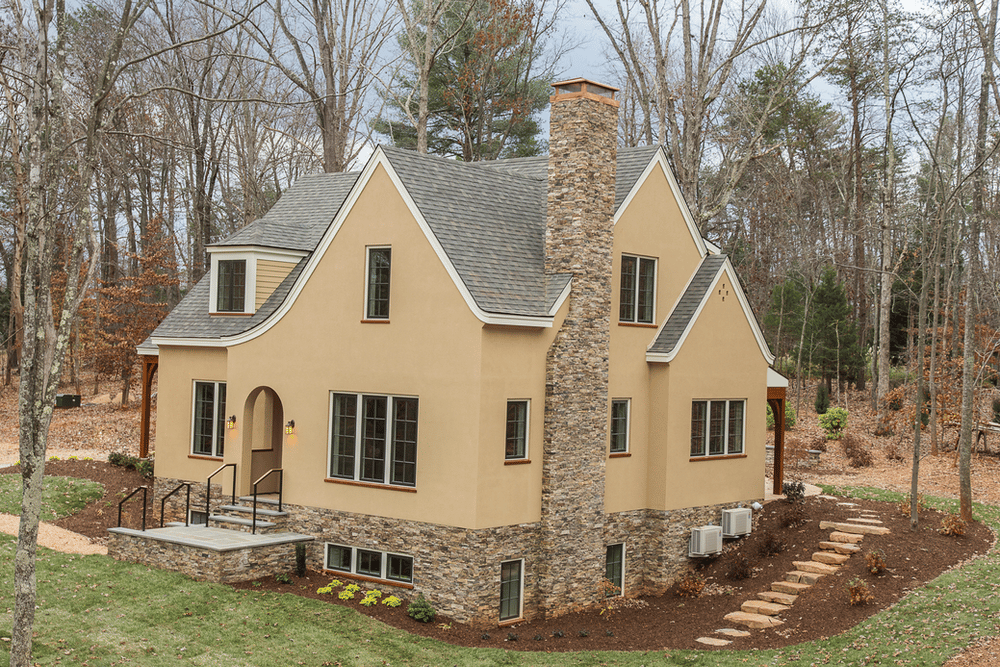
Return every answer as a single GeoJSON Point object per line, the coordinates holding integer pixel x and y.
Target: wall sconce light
{"type": "Point", "coordinates": [290, 427]}
{"type": "Point", "coordinates": [231, 422]}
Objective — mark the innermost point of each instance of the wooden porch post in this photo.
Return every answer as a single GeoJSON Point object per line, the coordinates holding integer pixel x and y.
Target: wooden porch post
{"type": "Point", "coordinates": [776, 399]}
{"type": "Point", "coordinates": [149, 365]}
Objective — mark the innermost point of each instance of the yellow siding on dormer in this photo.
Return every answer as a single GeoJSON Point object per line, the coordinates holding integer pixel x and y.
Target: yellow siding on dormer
{"type": "Point", "coordinates": [269, 275]}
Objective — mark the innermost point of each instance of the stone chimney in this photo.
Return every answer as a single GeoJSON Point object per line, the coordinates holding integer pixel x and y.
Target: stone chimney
{"type": "Point", "coordinates": [578, 240]}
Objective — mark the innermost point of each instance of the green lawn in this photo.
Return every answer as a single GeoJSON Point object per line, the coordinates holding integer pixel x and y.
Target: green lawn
{"type": "Point", "coordinates": [61, 496]}
{"type": "Point", "coordinates": [98, 611]}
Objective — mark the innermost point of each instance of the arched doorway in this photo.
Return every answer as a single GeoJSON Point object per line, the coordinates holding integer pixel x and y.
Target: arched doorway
{"type": "Point", "coordinates": [262, 439]}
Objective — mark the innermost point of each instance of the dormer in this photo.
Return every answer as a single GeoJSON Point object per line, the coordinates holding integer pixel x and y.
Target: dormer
{"type": "Point", "coordinates": [242, 277]}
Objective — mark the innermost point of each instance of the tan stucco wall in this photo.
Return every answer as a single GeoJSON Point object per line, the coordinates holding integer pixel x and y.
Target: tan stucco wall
{"type": "Point", "coordinates": [720, 359]}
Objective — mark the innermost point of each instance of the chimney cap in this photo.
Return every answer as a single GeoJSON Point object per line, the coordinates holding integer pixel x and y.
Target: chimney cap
{"type": "Point", "coordinates": [581, 87]}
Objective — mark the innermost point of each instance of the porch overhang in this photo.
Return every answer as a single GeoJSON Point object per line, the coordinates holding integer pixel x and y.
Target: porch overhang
{"type": "Point", "coordinates": [777, 387]}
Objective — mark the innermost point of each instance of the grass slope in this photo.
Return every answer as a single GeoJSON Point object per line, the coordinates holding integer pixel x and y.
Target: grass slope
{"type": "Point", "coordinates": [61, 496]}
{"type": "Point", "coordinates": [97, 611]}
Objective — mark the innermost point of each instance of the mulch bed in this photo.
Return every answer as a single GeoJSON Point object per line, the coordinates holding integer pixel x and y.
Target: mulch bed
{"type": "Point", "coordinates": [673, 622]}
{"type": "Point", "coordinates": [653, 623]}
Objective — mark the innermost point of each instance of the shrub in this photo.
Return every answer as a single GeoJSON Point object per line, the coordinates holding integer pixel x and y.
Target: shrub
{"type": "Point", "coordinates": [795, 516]}
{"type": "Point", "coordinates": [282, 578]}
{"type": "Point", "coordinates": [892, 452]}
{"type": "Point", "coordinates": [904, 505]}
{"type": "Point", "coordinates": [858, 592]}
{"type": "Point", "coordinates": [392, 601]}
{"type": "Point", "coordinates": [740, 568]}
{"type": "Point", "coordinates": [795, 492]}
{"type": "Point", "coordinates": [789, 417]}
{"type": "Point", "coordinates": [485, 636]}
{"type": "Point", "coordinates": [833, 421]}
{"type": "Point", "coordinates": [894, 401]}
{"type": "Point", "coordinates": [421, 610]}
{"type": "Point", "coordinates": [539, 638]}
{"type": "Point", "coordinates": [300, 559]}
{"type": "Point", "coordinates": [952, 525]}
{"type": "Point", "coordinates": [584, 633]}
{"type": "Point", "coordinates": [511, 637]}
{"type": "Point", "coordinates": [691, 585]}
{"type": "Point", "coordinates": [822, 403]}
{"type": "Point", "coordinates": [875, 561]}
{"type": "Point", "coordinates": [558, 633]}
{"type": "Point", "coordinates": [858, 455]}
{"type": "Point", "coordinates": [770, 545]}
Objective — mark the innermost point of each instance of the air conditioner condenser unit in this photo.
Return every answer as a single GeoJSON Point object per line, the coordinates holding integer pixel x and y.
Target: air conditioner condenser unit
{"type": "Point", "coordinates": [705, 541]}
{"type": "Point", "coordinates": [736, 522]}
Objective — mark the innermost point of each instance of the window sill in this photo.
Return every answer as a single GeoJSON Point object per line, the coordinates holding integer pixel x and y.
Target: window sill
{"type": "Point", "coordinates": [619, 455]}
{"type": "Point", "coordinates": [231, 314]}
{"type": "Point", "coordinates": [717, 457]}
{"type": "Point", "coordinates": [516, 462]}
{"type": "Point", "coordinates": [204, 457]}
{"type": "Point", "coordinates": [641, 325]}
{"type": "Point", "coordinates": [367, 321]}
{"type": "Point", "coordinates": [373, 580]}
{"type": "Point", "coordinates": [510, 621]}
{"type": "Point", "coordinates": [371, 485]}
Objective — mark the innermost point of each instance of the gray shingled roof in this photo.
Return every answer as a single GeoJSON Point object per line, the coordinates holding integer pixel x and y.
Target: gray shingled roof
{"type": "Point", "coordinates": [688, 304]}
{"type": "Point", "coordinates": [490, 223]}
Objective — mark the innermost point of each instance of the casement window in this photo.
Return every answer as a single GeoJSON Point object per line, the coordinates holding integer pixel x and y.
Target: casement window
{"type": "Point", "coordinates": [614, 569]}
{"type": "Point", "coordinates": [369, 563]}
{"type": "Point", "coordinates": [620, 408]}
{"type": "Point", "coordinates": [373, 438]}
{"type": "Point", "coordinates": [377, 290]}
{"type": "Point", "coordinates": [208, 432]}
{"type": "Point", "coordinates": [717, 427]}
{"type": "Point", "coordinates": [638, 290]}
{"type": "Point", "coordinates": [511, 589]}
{"type": "Point", "coordinates": [516, 444]}
{"type": "Point", "coordinates": [231, 284]}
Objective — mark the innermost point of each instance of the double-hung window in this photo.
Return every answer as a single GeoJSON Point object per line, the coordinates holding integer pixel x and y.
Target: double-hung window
{"type": "Point", "coordinates": [510, 589]}
{"type": "Point", "coordinates": [619, 425]}
{"type": "Point", "coordinates": [717, 427]}
{"type": "Point", "coordinates": [370, 563]}
{"type": "Point", "coordinates": [638, 290]}
{"type": "Point", "coordinates": [209, 419]}
{"type": "Point", "coordinates": [373, 438]}
{"type": "Point", "coordinates": [516, 446]}
{"type": "Point", "coordinates": [614, 569]}
{"type": "Point", "coordinates": [231, 285]}
{"type": "Point", "coordinates": [377, 292]}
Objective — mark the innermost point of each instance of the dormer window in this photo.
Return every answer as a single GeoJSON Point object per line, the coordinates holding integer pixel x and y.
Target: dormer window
{"type": "Point", "coordinates": [232, 282]}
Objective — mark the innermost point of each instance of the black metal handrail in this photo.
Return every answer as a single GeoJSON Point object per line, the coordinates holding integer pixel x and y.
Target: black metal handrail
{"type": "Point", "coordinates": [208, 488]}
{"type": "Point", "coordinates": [187, 503]}
{"type": "Point", "coordinates": [144, 489]}
{"type": "Point", "coordinates": [281, 477]}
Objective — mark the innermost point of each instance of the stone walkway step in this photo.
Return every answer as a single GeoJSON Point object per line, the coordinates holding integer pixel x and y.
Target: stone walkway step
{"type": "Point", "coordinates": [730, 632]}
{"type": "Point", "coordinates": [756, 621]}
{"type": "Point", "coordinates": [840, 547]}
{"type": "Point", "coordinates": [790, 587]}
{"type": "Point", "coordinates": [830, 557]}
{"type": "Point", "coordinates": [780, 598]}
{"type": "Point", "coordinates": [713, 641]}
{"type": "Point", "coordinates": [846, 538]}
{"type": "Point", "coordinates": [814, 566]}
{"type": "Point", "coordinates": [762, 607]}
{"type": "Point", "coordinates": [873, 522]}
{"type": "Point", "coordinates": [854, 528]}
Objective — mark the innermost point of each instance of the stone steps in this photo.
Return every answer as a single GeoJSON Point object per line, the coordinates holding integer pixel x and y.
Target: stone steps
{"type": "Point", "coordinates": [840, 547]}
{"type": "Point", "coordinates": [853, 528]}
{"type": "Point", "coordinates": [807, 578]}
{"type": "Point", "coordinates": [815, 566]}
{"type": "Point", "coordinates": [846, 538]}
{"type": "Point", "coordinates": [789, 587]}
{"type": "Point", "coordinates": [779, 598]}
{"type": "Point", "coordinates": [755, 621]}
{"type": "Point", "coordinates": [763, 607]}
{"type": "Point", "coordinates": [830, 558]}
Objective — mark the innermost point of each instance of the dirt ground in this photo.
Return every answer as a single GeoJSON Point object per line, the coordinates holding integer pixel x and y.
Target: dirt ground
{"type": "Point", "coordinates": [101, 426]}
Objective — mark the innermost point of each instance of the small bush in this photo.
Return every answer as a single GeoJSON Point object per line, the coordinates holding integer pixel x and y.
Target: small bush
{"type": "Point", "coordinates": [822, 403]}
{"type": "Point", "coordinates": [392, 601]}
{"type": "Point", "coordinates": [485, 636]}
{"type": "Point", "coordinates": [833, 421]}
{"type": "Point", "coordinates": [904, 505]}
{"type": "Point", "coordinates": [421, 610]}
{"type": "Point", "coordinates": [609, 633]}
{"type": "Point", "coordinates": [858, 455]}
{"type": "Point", "coordinates": [795, 492]}
{"type": "Point", "coordinates": [892, 453]}
{"type": "Point", "coordinates": [300, 559]}
{"type": "Point", "coordinates": [952, 525]}
{"type": "Point", "coordinates": [584, 633]}
{"type": "Point", "coordinates": [690, 585]}
{"type": "Point", "coordinates": [858, 592]}
{"type": "Point", "coordinates": [539, 638]}
{"type": "Point", "coordinates": [894, 401]}
{"type": "Point", "coordinates": [282, 578]}
{"type": "Point", "coordinates": [770, 545]}
{"type": "Point", "coordinates": [875, 561]}
{"type": "Point", "coordinates": [794, 516]}
{"type": "Point", "coordinates": [143, 466]}
{"type": "Point", "coordinates": [740, 568]}
{"type": "Point", "coordinates": [558, 633]}
{"type": "Point", "coordinates": [511, 637]}
{"type": "Point", "coordinates": [789, 417]}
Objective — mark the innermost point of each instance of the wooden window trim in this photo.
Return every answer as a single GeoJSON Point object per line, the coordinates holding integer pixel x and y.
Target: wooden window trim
{"type": "Point", "coordinates": [718, 457]}
{"type": "Point", "coordinates": [516, 462]}
{"type": "Point", "coordinates": [340, 574]}
{"type": "Point", "coordinates": [371, 485]}
{"type": "Point", "coordinates": [619, 455]}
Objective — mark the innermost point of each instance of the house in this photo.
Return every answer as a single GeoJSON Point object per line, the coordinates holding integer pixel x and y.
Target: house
{"type": "Point", "coordinates": [496, 384]}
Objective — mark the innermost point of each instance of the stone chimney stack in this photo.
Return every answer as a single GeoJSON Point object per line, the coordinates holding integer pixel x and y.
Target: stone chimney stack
{"type": "Point", "coordinates": [578, 240]}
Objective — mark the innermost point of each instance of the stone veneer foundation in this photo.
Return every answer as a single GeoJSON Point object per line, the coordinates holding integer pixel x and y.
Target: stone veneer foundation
{"type": "Point", "coordinates": [457, 569]}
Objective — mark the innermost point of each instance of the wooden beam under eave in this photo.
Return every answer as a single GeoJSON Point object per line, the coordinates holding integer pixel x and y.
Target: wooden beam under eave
{"type": "Point", "coordinates": [149, 366]}
{"type": "Point", "coordinates": [776, 399]}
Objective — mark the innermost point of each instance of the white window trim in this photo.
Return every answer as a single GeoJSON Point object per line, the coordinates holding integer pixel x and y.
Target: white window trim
{"type": "Point", "coordinates": [621, 593]}
{"type": "Point", "coordinates": [251, 257]}
{"type": "Point", "coordinates": [656, 282]}
{"type": "Point", "coordinates": [628, 425]}
{"type": "Point", "coordinates": [384, 567]}
{"type": "Point", "coordinates": [215, 421]}
{"type": "Point", "coordinates": [368, 257]}
{"type": "Point", "coordinates": [520, 593]}
{"type": "Point", "coordinates": [725, 436]}
{"type": "Point", "coordinates": [527, 429]}
{"type": "Point", "coordinates": [192, 512]}
{"type": "Point", "coordinates": [358, 444]}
